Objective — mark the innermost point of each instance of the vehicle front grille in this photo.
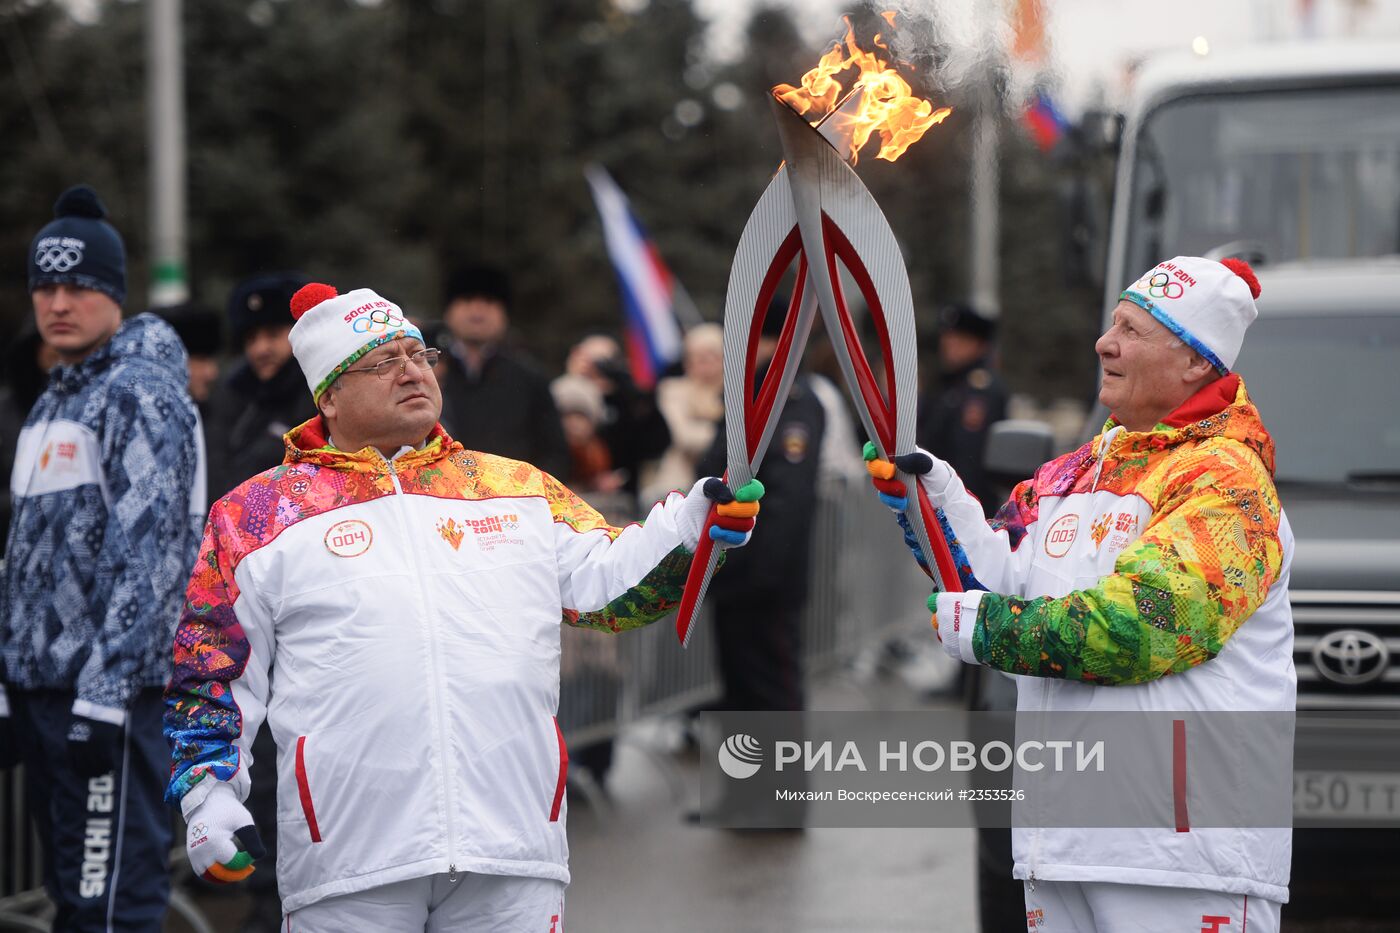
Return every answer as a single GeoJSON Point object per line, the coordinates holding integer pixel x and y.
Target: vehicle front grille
{"type": "Point", "coordinates": [1346, 648]}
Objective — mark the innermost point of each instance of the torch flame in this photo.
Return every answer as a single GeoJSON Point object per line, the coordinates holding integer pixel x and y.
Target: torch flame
{"type": "Point", "coordinates": [887, 102]}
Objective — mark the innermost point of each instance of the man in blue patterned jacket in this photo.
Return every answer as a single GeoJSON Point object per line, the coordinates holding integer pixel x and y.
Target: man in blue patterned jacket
{"type": "Point", "coordinates": [108, 503]}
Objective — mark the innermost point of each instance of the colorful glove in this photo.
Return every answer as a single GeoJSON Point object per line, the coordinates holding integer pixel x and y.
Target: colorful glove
{"type": "Point", "coordinates": [891, 491]}
{"type": "Point", "coordinates": [882, 473]}
{"type": "Point", "coordinates": [221, 840]}
{"type": "Point", "coordinates": [955, 616]}
{"type": "Point", "coordinates": [737, 511]}
{"type": "Point", "coordinates": [94, 746]}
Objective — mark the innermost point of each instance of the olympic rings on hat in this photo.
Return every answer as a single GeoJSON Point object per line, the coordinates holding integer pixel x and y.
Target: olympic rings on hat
{"type": "Point", "coordinates": [1160, 285]}
{"type": "Point", "coordinates": [378, 321]}
{"type": "Point", "coordinates": [58, 258]}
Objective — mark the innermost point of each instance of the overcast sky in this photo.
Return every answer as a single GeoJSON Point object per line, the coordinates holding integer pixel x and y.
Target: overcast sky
{"type": "Point", "coordinates": [1090, 40]}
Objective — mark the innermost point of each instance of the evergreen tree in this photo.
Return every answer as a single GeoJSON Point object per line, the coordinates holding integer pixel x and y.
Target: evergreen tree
{"type": "Point", "coordinates": [379, 144]}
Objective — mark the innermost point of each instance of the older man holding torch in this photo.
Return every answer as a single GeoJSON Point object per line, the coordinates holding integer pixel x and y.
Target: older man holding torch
{"type": "Point", "coordinates": [1147, 570]}
{"type": "Point", "coordinates": [390, 603]}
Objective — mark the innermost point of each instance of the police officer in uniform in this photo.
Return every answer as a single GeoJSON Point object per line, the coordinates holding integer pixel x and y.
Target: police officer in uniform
{"type": "Point", "coordinates": [759, 598]}
{"type": "Point", "coordinates": [967, 400]}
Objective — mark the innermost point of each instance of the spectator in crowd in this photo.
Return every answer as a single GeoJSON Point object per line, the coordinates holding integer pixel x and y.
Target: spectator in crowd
{"type": "Point", "coordinates": [264, 396]}
{"type": "Point", "coordinates": [968, 399]}
{"type": "Point", "coordinates": [493, 398]}
{"type": "Point", "coordinates": [391, 604]}
{"type": "Point", "coordinates": [633, 427]}
{"type": "Point", "coordinates": [103, 534]}
{"type": "Point", "coordinates": [692, 404]}
{"type": "Point", "coordinates": [27, 360]}
{"type": "Point", "coordinates": [590, 462]}
{"type": "Point", "coordinates": [201, 332]}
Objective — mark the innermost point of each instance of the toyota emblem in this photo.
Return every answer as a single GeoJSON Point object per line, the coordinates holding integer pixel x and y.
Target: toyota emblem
{"type": "Point", "coordinates": [1351, 657]}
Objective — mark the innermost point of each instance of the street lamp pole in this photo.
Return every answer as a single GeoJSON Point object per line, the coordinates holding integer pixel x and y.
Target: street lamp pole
{"type": "Point", "coordinates": [165, 100]}
{"type": "Point", "coordinates": [986, 209]}
{"type": "Point", "coordinates": [984, 183]}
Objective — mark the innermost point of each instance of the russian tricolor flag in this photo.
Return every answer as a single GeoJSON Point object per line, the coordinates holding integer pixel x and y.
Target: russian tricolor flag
{"type": "Point", "coordinates": [1045, 121]}
{"type": "Point", "coordinates": [648, 288]}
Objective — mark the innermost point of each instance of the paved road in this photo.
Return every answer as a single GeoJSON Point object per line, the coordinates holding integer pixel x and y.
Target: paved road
{"type": "Point", "coordinates": [646, 869]}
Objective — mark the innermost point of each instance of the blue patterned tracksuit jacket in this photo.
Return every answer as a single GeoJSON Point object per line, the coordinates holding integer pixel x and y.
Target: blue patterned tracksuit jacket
{"type": "Point", "coordinates": [109, 496]}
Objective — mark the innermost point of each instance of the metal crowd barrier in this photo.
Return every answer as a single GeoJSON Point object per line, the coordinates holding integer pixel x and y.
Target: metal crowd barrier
{"type": "Point", "coordinates": [19, 844]}
{"type": "Point", "coordinates": [864, 588]}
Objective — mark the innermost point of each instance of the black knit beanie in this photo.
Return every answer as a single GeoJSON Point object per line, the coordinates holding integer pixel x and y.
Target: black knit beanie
{"type": "Point", "coordinates": [79, 247]}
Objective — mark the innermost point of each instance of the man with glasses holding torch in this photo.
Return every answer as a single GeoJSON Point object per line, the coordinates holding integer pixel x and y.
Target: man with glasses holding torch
{"type": "Point", "coordinates": [389, 602]}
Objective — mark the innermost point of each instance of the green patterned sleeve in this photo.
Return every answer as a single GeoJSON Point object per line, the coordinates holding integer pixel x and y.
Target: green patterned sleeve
{"type": "Point", "coordinates": [658, 593]}
{"type": "Point", "coordinates": [1177, 594]}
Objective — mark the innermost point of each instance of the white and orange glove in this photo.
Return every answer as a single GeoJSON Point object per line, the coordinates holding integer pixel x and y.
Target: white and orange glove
{"type": "Point", "coordinates": [220, 838]}
{"type": "Point", "coordinates": [955, 616]}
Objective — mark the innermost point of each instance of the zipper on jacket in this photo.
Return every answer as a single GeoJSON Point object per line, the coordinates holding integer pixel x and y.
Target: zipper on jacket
{"type": "Point", "coordinates": [433, 656]}
{"type": "Point", "coordinates": [1107, 443]}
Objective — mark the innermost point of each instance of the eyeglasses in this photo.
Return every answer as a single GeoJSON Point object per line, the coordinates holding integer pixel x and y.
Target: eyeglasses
{"type": "Point", "coordinates": [396, 366]}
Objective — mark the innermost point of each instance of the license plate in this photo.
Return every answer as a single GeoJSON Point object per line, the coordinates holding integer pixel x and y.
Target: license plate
{"type": "Point", "coordinates": [1357, 795]}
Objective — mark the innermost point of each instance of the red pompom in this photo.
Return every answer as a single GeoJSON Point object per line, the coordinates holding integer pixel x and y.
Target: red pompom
{"type": "Point", "coordinates": [309, 296]}
{"type": "Point", "coordinates": [1242, 269]}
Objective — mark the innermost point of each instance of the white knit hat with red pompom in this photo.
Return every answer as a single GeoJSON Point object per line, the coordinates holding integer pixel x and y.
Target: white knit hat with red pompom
{"type": "Point", "coordinates": [332, 331]}
{"type": "Point", "coordinates": [1207, 304]}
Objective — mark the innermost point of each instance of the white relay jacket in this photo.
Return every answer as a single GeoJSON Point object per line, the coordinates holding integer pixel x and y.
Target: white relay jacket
{"type": "Point", "coordinates": [397, 623]}
{"type": "Point", "coordinates": [1142, 572]}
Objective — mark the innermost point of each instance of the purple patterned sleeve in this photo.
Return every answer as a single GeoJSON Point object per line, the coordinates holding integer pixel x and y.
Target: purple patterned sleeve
{"type": "Point", "coordinates": [202, 720]}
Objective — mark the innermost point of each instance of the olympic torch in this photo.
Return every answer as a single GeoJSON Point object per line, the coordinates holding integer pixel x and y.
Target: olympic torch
{"type": "Point", "coordinates": [818, 215]}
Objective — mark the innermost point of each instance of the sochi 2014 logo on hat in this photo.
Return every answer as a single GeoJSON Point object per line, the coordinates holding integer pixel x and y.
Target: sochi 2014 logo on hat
{"type": "Point", "coordinates": [1159, 285]}
{"type": "Point", "coordinates": [375, 317]}
{"type": "Point", "coordinates": [1167, 280]}
{"type": "Point", "coordinates": [59, 253]}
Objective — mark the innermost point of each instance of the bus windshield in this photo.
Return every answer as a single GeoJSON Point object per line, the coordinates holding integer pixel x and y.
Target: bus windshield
{"type": "Point", "coordinates": [1327, 387]}
{"type": "Point", "coordinates": [1277, 175]}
